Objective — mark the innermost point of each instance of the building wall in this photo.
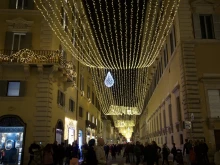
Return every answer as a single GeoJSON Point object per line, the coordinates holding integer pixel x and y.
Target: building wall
{"type": "Point", "coordinates": [39, 108]}
{"type": "Point", "coordinates": [191, 70]}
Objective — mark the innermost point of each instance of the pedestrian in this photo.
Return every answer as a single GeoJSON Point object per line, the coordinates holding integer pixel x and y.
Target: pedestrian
{"type": "Point", "coordinates": [174, 152]}
{"type": "Point", "coordinates": [91, 158]}
{"type": "Point", "coordinates": [166, 153]}
{"type": "Point", "coordinates": [100, 153]}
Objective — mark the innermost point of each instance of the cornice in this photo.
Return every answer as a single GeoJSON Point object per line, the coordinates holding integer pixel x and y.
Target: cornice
{"type": "Point", "coordinates": [17, 12]}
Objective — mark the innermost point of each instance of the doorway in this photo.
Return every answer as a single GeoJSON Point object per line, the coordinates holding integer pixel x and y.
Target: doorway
{"type": "Point", "coordinates": [59, 132]}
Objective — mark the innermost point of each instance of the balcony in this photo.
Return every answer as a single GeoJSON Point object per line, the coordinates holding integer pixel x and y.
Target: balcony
{"type": "Point", "coordinates": [38, 57]}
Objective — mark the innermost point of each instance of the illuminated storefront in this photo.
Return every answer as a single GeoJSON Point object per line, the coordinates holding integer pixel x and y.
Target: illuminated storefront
{"type": "Point", "coordinates": [12, 130]}
{"type": "Point", "coordinates": [90, 131]}
{"type": "Point", "coordinates": [70, 133]}
{"type": "Point", "coordinates": [59, 131]}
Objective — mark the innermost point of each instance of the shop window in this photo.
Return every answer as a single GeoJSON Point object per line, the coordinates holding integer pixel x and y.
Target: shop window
{"type": "Point", "coordinates": [61, 98]}
{"type": "Point", "coordinates": [80, 112]}
{"type": "Point", "coordinates": [13, 88]}
{"type": "Point", "coordinates": [71, 105]}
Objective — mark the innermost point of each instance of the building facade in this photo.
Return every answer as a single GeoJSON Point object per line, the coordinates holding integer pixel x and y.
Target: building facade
{"type": "Point", "coordinates": [183, 97]}
{"type": "Point", "coordinates": [45, 94]}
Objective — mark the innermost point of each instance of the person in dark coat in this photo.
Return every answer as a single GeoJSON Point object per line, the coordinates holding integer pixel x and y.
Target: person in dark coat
{"type": "Point", "coordinates": [174, 152]}
{"type": "Point", "coordinates": [155, 152]}
{"type": "Point", "coordinates": [91, 156]}
{"type": "Point", "coordinates": [148, 154]}
{"type": "Point", "coordinates": [31, 149]}
{"type": "Point", "coordinates": [165, 152]}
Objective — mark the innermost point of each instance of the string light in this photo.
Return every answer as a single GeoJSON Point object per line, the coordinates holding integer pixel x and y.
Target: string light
{"type": "Point", "coordinates": [27, 56]}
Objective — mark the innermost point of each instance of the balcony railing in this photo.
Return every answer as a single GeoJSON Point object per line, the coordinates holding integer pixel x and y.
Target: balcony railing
{"type": "Point", "coordinates": [27, 56]}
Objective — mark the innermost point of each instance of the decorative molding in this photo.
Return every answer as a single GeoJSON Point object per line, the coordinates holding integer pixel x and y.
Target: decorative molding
{"type": "Point", "coordinates": [40, 68]}
{"type": "Point", "coordinates": [19, 25]}
{"type": "Point", "coordinates": [168, 97]}
{"type": "Point", "coordinates": [27, 70]}
{"type": "Point", "coordinates": [16, 11]}
{"type": "Point", "coordinates": [176, 90]}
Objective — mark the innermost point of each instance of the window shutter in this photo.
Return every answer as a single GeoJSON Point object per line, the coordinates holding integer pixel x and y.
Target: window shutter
{"type": "Point", "coordinates": [62, 15]}
{"type": "Point", "coordinates": [58, 97]}
{"type": "Point", "coordinates": [22, 89]}
{"type": "Point", "coordinates": [3, 88]}
{"type": "Point", "coordinates": [27, 42]}
{"type": "Point", "coordinates": [216, 22]}
{"type": "Point", "coordinates": [30, 4]}
{"type": "Point", "coordinates": [12, 4]}
{"type": "Point", "coordinates": [69, 104]}
{"type": "Point", "coordinates": [64, 99]}
{"type": "Point", "coordinates": [197, 27]}
{"type": "Point", "coordinates": [8, 40]}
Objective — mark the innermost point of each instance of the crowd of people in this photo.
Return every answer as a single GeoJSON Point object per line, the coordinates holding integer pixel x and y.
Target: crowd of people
{"type": "Point", "coordinates": [194, 153]}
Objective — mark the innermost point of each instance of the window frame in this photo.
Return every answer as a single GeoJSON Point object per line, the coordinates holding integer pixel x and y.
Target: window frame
{"type": "Point", "coordinates": [205, 24]}
{"type": "Point", "coordinates": [22, 6]}
{"type": "Point", "coordinates": [19, 41]}
{"type": "Point", "coordinates": [8, 88]}
{"type": "Point", "coordinates": [71, 105]}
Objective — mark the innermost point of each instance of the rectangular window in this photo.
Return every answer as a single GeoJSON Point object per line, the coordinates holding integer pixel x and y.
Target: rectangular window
{"type": "Point", "coordinates": [81, 83]}
{"type": "Point", "coordinates": [21, 4]}
{"type": "Point", "coordinates": [93, 98]}
{"type": "Point", "coordinates": [207, 27]}
{"type": "Point", "coordinates": [88, 116]}
{"type": "Point", "coordinates": [93, 119]}
{"type": "Point", "coordinates": [164, 118]}
{"type": "Point", "coordinates": [178, 108]}
{"type": "Point", "coordinates": [214, 103]}
{"type": "Point", "coordinates": [18, 39]}
{"type": "Point", "coordinates": [71, 105]}
{"type": "Point", "coordinates": [170, 114]}
{"type": "Point", "coordinates": [88, 92]}
{"type": "Point", "coordinates": [172, 40]}
{"type": "Point", "coordinates": [165, 53]}
{"type": "Point", "coordinates": [96, 122]}
{"type": "Point", "coordinates": [61, 98]}
{"type": "Point", "coordinates": [13, 89]}
{"type": "Point", "coordinates": [80, 112]}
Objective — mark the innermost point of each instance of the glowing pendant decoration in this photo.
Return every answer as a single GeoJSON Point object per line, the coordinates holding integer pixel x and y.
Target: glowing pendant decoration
{"type": "Point", "coordinates": [109, 81]}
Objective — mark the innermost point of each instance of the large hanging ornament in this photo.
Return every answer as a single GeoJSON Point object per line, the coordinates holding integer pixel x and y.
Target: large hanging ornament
{"type": "Point", "coordinates": [109, 81]}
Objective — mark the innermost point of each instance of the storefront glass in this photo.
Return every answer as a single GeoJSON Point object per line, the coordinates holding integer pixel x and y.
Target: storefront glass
{"type": "Point", "coordinates": [11, 142]}
{"type": "Point", "coordinates": [70, 131]}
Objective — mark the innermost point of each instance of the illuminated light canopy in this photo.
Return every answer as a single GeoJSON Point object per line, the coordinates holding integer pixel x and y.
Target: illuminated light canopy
{"type": "Point", "coordinates": [111, 34]}
{"type": "Point", "coordinates": [109, 81]}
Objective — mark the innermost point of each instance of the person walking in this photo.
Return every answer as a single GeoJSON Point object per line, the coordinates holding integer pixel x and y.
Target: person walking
{"type": "Point", "coordinates": [100, 153]}
{"type": "Point", "coordinates": [186, 149]}
{"type": "Point", "coordinates": [91, 158]}
{"type": "Point", "coordinates": [166, 153]}
{"type": "Point", "coordinates": [48, 155]}
{"type": "Point", "coordinates": [174, 152]}
{"type": "Point", "coordinates": [155, 152]}
{"type": "Point", "coordinates": [137, 152]}
{"type": "Point", "coordinates": [106, 148]}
